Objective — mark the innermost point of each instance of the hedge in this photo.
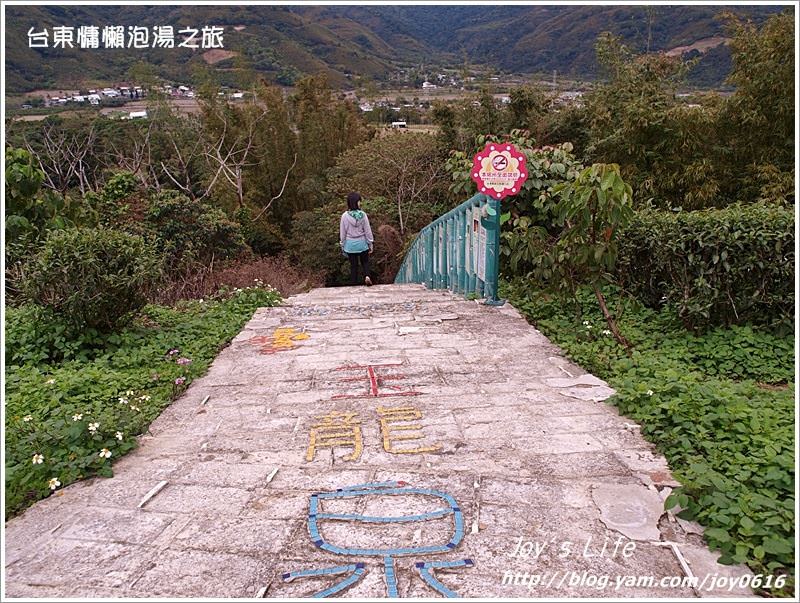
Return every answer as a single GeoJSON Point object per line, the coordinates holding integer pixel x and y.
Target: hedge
{"type": "Point", "coordinates": [717, 267]}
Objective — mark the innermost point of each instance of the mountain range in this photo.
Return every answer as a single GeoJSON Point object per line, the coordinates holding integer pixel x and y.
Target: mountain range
{"type": "Point", "coordinates": [368, 41]}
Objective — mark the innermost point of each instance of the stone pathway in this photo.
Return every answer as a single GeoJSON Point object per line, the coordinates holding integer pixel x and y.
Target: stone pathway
{"type": "Point", "coordinates": [494, 469]}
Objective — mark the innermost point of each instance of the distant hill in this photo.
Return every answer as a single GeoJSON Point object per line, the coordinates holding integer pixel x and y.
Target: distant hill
{"type": "Point", "coordinates": [343, 42]}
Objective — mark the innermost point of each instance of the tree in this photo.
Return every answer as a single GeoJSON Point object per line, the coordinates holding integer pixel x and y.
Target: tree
{"type": "Point", "coordinates": [665, 148]}
{"type": "Point", "coordinates": [757, 121]}
{"type": "Point", "coordinates": [593, 209]}
{"type": "Point", "coordinates": [406, 168]}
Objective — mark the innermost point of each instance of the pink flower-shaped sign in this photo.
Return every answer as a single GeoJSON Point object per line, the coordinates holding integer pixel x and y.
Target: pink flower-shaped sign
{"type": "Point", "coordinates": [499, 170]}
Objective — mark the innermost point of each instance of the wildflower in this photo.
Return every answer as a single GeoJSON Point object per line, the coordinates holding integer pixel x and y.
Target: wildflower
{"type": "Point", "coordinates": [54, 483]}
{"type": "Point", "coordinates": [119, 435]}
{"type": "Point", "coordinates": [649, 392]}
{"type": "Point", "coordinates": [122, 400]}
{"type": "Point", "coordinates": [105, 453]}
{"type": "Point", "coordinates": [77, 417]}
{"type": "Point", "coordinates": [50, 381]}
{"type": "Point", "coordinates": [27, 418]}
{"type": "Point", "coordinates": [144, 398]}
{"type": "Point", "coordinates": [606, 332]}
{"type": "Point", "coordinates": [173, 352]}
{"type": "Point", "coordinates": [135, 408]}
{"type": "Point", "coordinates": [129, 393]}
{"type": "Point", "coordinates": [183, 361]}
{"type": "Point", "coordinates": [586, 323]}
{"type": "Point", "coordinates": [38, 459]}
{"type": "Point", "coordinates": [180, 380]}
{"type": "Point", "coordinates": [93, 427]}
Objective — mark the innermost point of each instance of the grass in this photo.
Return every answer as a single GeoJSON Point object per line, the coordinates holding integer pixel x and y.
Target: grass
{"type": "Point", "coordinates": [719, 406]}
{"type": "Point", "coordinates": [75, 404]}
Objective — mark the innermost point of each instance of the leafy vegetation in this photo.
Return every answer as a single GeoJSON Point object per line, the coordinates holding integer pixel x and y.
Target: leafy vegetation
{"type": "Point", "coordinates": [715, 267]}
{"type": "Point", "coordinates": [94, 278]}
{"type": "Point", "coordinates": [704, 401]}
{"type": "Point", "coordinates": [75, 404]}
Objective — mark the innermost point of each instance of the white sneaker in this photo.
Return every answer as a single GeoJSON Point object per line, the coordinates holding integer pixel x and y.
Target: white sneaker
{"type": "Point", "coordinates": [368, 281]}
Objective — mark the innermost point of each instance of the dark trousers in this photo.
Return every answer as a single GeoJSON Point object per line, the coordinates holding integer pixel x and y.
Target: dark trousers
{"type": "Point", "coordinates": [354, 259]}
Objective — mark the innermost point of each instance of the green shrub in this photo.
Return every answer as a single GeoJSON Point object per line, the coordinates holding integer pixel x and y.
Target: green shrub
{"type": "Point", "coordinates": [314, 243]}
{"type": "Point", "coordinates": [188, 231]}
{"type": "Point", "coordinates": [717, 267]}
{"type": "Point", "coordinates": [94, 278]}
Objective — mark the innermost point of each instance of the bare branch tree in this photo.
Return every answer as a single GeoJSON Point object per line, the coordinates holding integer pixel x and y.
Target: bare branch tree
{"type": "Point", "coordinates": [232, 161]}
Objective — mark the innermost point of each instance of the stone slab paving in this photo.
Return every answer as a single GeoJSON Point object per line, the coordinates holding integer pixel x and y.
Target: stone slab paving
{"type": "Point", "coordinates": [496, 470]}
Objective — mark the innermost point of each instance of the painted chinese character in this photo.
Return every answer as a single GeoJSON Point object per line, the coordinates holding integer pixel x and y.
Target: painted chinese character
{"type": "Point", "coordinates": [376, 386]}
{"type": "Point", "coordinates": [113, 36]}
{"type": "Point", "coordinates": [189, 42]}
{"type": "Point", "coordinates": [163, 36]}
{"type": "Point", "coordinates": [361, 527]}
{"type": "Point", "coordinates": [63, 36]}
{"type": "Point", "coordinates": [212, 37]}
{"type": "Point", "coordinates": [335, 430]}
{"type": "Point", "coordinates": [38, 39]}
{"type": "Point", "coordinates": [89, 36]}
{"type": "Point", "coordinates": [397, 425]}
{"type": "Point", "coordinates": [138, 37]}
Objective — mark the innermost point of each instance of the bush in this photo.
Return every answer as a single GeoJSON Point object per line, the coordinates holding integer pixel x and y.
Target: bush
{"type": "Point", "coordinates": [717, 267]}
{"type": "Point", "coordinates": [94, 278]}
{"type": "Point", "coordinates": [189, 231]}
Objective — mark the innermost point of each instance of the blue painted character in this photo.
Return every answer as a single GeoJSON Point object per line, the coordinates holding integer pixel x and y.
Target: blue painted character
{"type": "Point", "coordinates": [356, 571]}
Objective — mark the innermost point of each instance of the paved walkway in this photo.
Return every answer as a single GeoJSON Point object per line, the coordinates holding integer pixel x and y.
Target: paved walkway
{"type": "Point", "coordinates": [495, 469]}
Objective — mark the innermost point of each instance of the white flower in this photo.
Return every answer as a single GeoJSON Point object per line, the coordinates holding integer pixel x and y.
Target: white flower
{"type": "Point", "coordinates": [649, 392]}
{"type": "Point", "coordinates": [27, 418]}
{"type": "Point", "coordinates": [122, 400]}
{"type": "Point", "coordinates": [38, 459]}
{"type": "Point", "coordinates": [54, 483]}
{"type": "Point", "coordinates": [119, 435]}
{"type": "Point", "coordinates": [586, 323]}
{"type": "Point", "coordinates": [145, 398]}
{"type": "Point", "coordinates": [50, 381]}
{"type": "Point", "coordinates": [606, 332]}
{"type": "Point", "coordinates": [129, 392]}
{"type": "Point", "coordinates": [77, 417]}
{"type": "Point", "coordinates": [105, 453]}
{"type": "Point", "coordinates": [93, 427]}
{"type": "Point", "coordinates": [136, 408]}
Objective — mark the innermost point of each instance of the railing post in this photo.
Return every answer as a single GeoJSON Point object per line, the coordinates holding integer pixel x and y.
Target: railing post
{"type": "Point", "coordinates": [492, 268]}
{"type": "Point", "coordinates": [429, 277]}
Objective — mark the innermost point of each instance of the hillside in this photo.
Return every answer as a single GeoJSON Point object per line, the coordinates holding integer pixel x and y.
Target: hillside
{"type": "Point", "coordinates": [282, 43]}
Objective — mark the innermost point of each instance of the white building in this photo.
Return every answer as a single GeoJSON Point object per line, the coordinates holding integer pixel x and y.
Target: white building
{"type": "Point", "coordinates": [94, 99]}
{"type": "Point", "coordinates": [428, 85]}
{"type": "Point", "coordinates": [399, 124]}
{"type": "Point", "coordinates": [137, 115]}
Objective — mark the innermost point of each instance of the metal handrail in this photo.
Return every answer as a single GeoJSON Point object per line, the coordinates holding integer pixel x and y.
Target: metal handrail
{"type": "Point", "coordinates": [459, 251]}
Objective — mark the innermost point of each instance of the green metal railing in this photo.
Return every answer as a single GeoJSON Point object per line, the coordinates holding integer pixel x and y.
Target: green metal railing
{"type": "Point", "coordinates": [458, 251]}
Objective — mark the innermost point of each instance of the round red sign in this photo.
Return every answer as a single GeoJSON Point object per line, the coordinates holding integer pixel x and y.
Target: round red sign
{"type": "Point", "coordinates": [499, 170]}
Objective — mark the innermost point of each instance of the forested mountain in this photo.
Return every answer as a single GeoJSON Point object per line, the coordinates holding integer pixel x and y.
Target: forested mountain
{"type": "Point", "coordinates": [283, 43]}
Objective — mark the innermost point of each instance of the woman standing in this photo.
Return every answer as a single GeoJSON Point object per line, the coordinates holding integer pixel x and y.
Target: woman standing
{"type": "Point", "coordinates": [355, 237]}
